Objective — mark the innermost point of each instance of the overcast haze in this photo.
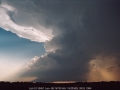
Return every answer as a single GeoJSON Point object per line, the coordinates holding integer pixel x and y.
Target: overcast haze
{"type": "Point", "coordinates": [81, 39]}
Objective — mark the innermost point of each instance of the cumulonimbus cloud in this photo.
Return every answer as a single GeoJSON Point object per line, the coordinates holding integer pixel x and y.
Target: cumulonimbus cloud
{"type": "Point", "coordinates": [79, 30]}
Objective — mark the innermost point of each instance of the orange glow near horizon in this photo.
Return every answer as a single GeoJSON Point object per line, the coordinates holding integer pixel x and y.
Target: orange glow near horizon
{"type": "Point", "coordinates": [103, 69]}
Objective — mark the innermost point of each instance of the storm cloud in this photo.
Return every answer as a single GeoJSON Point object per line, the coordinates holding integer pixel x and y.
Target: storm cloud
{"type": "Point", "coordinates": [84, 37]}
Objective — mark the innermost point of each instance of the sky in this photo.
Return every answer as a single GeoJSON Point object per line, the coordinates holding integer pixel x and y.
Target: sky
{"type": "Point", "coordinates": [15, 52]}
{"type": "Point", "coordinates": [59, 40]}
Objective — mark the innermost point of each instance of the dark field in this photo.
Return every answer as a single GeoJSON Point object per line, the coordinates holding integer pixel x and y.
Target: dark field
{"type": "Point", "coordinates": [60, 86]}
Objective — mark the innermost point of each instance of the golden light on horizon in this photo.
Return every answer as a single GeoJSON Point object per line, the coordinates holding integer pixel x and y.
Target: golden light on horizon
{"type": "Point", "coordinates": [103, 69]}
{"type": "Point", "coordinates": [64, 82]}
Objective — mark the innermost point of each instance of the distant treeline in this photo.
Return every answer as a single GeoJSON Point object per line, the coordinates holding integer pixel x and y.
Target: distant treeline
{"type": "Point", "coordinates": [103, 85]}
{"type": "Point", "coordinates": [62, 82]}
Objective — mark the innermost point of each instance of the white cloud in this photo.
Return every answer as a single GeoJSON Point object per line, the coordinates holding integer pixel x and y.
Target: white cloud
{"type": "Point", "coordinates": [45, 63]}
{"type": "Point", "coordinates": [32, 62]}
{"type": "Point", "coordinates": [29, 32]}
